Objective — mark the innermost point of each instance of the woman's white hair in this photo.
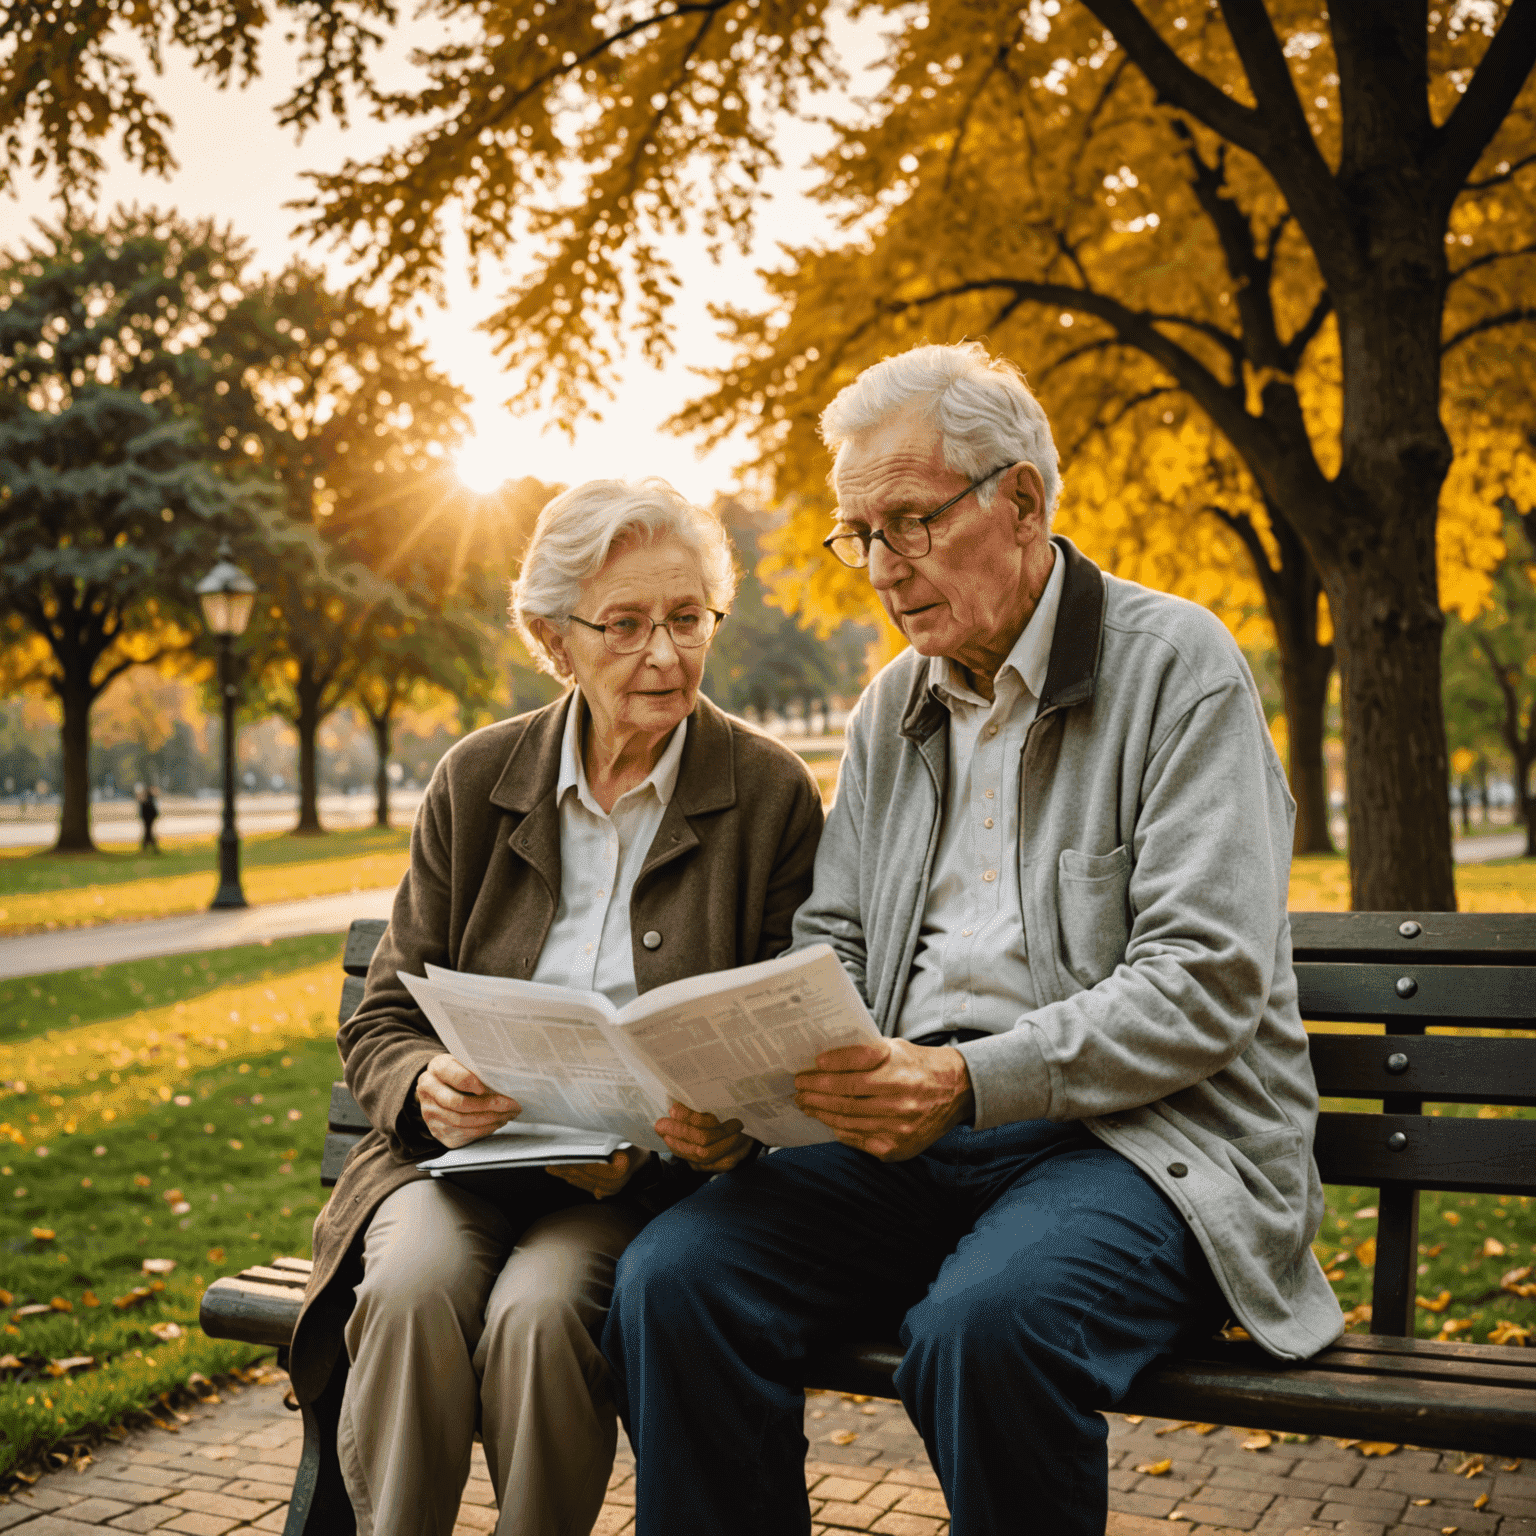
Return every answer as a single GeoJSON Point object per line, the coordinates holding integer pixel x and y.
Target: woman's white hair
{"type": "Point", "coordinates": [985, 413]}
{"type": "Point", "coordinates": [577, 532]}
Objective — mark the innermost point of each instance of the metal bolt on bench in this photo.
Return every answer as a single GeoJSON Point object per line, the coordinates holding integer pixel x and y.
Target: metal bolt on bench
{"type": "Point", "coordinates": [1408, 974]}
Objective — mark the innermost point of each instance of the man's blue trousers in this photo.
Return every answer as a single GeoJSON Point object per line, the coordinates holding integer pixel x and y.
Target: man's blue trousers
{"type": "Point", "coordinates": [1031, 1273]}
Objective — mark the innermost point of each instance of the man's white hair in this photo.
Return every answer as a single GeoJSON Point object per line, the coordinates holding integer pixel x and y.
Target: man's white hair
{"type": "Point", "coordinates": [985, 413]}
{"type": "Point", "coordinates": [579, 529]}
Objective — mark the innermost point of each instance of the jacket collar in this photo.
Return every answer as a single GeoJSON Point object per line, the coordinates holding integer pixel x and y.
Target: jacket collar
{"type": "Point", "coordinates": [1075, 649]}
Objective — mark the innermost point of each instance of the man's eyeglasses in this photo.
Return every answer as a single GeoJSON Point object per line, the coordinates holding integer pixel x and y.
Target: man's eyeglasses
{"type": "Point", "coordinates": [906, 536]}
{"type": "Point", "coordinates": [689, 627]}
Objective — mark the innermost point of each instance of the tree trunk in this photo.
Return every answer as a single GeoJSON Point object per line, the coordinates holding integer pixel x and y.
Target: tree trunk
{"type": "Point", "coordinates": [1388, 629]}
{"type": "Point", "coordinates": [1304, 680]}
{"type": "Point", "coordinates": [307, 719]}
{"type": "Point", "coordinates": [75, 742]}
{"type": "Point", "coordinates": [381, 742]}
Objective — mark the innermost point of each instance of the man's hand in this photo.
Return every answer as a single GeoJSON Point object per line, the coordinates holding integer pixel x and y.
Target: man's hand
{"type": "Point", "coordinates": [603, 1179]}
{"type": "Point", "coordinates": [891, 1100]}
{"type": "Point", "coordinates": [701, 1141]}
{"type": "Point", "coordinates": [457, 1106]}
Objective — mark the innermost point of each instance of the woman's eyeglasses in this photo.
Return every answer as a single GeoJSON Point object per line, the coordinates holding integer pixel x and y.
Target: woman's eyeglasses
{"type": "Point", "coordinates": [689, 627]}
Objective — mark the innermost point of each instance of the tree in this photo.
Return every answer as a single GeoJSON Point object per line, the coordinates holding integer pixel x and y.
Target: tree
{"type": "Point", "coordinates": [356, 426]}
{"type": "Point", "coordinates": [1223, 198]}
{"type": "Point", "coordinates": [1491, 666]}
{"type": "Point", "coordinates": [115, 339]}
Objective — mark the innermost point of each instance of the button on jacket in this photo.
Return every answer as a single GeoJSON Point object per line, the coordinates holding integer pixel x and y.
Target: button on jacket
{"type": "Point", "coordinates": [730, 862]}
{"type": "Point", "coordinates": [1153, 861]}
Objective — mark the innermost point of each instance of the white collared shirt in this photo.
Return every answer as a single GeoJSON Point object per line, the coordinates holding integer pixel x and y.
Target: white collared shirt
{"type": "Point", "coordinates": [971, 969]}
{"type": "Point", "coordinates": [601, 855]}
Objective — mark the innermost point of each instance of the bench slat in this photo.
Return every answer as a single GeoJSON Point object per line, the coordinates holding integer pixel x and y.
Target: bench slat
{"type": "Point", "coordinates": [1490, 1156]}
{"type": "Point", "coordinates": [1442, 994]}
{"type": "Point", "coordinates": [1442, 1069]}
{"type": "Point", "coordinates": [259, 1314]}
{"type": "Point", "coordinates": [362, 939]}
{"type": "Point", "coordinates": [1490, 938]}
{"type": "Point", "coordinates": [337, 1145]}
{"type": "Point", "coordinates": [345, 1113]}
{"type": "Point", "coordinates": [272, 1275]}
{"type": "Point", "coordinates": [352, 989]}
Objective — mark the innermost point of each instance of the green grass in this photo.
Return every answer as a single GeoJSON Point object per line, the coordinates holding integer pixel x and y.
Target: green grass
{"type": "Point", "coordinates": [36, 872]}
{"type": "Point", "coordinates": [33, 1005]}
{"type": "Point", "coordinates": [245, 1161]}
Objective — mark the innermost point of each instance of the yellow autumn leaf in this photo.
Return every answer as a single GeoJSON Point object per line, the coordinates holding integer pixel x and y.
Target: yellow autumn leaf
{"type": "Point", "coordinates": [1450, 1218]}
{"type": "Point", "coordinates": [1366, 1252]}
{"type": "Point", "coordinates": [1507, 1332]}
{"type": "Point", "coordinates": [1259, 1440]}
{"type": "Point", "coordinates": [1493, 1248]}
{"type": "Point", "coordinates": [1480, 1501]}
{"type": "Point", "coordinates": [1376, 1447]}
{"type": "Point", "coordinates": [1439, 1304]}
{"type": "Point", "coordinates": [842, 1437]}
{"type": "Point", "coordinates": [43, 1234]}
{"type": "Point", "coordinates": [1157, 1468]}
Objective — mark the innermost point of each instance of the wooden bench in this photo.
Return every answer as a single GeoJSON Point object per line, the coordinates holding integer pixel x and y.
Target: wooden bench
{"type": "Point", "coordinates": [1410, 974]}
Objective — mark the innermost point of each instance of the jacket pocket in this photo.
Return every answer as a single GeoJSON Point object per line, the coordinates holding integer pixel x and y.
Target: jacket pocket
{"type": "Point", "coordinates": [1275, 1156]}
{"type": "Point", "coordinates": [1093, 911]}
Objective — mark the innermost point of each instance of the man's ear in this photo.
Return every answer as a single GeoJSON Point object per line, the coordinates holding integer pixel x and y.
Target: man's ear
{"type": "Point", "coordinates": [1027, 492]}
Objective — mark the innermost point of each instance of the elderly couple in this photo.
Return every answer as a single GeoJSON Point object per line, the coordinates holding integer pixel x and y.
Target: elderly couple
{"type": "Point", "coordinates": [1056, 868]}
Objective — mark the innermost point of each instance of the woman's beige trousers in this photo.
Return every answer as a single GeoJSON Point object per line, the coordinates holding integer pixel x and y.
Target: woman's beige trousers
{"type": "Point", "coordinates": [457, 1310]}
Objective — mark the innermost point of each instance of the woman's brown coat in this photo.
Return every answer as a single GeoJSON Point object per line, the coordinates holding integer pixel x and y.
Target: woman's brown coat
{"type": "Point", "coordinates": [729, 865]}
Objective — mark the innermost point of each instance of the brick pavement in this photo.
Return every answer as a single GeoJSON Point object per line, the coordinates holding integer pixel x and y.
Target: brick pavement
{"type": "Point", "coordinates": [230, 1467]}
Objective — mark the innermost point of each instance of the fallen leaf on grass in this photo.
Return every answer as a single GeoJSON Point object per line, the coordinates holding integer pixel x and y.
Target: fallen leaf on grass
{"type": "Point", "coordinates": [1432, 1253]}
{"type": "Point", "coordinates": [165, 1332]}
{"type": "Point", "coordinates": [215, 1255]}
{"type": "Point", "coordinates": [31, 1310]}
{"type": "Point", "coordinates": [70, 1363]}
{"type": "Point", "coordinates": [59, 1304]}
{"type": "Point", "coordinates": [1450, 1218]}
{"type": "Point", "coordinates": [133, 1298]}
{"type": "Point", "coordinates": [90, 1299]}
{"type": "Point", "coordinates": [165, 1266]}
{"type": "Point", "coordinates": [1360, 1314]}
{"type": "Point", "coordinates": [1493, 1248]}
{"type": "Point", "coordinates": [10, 1362]}
{"type": "Point", "coordinates": [44, 1234]}
{"type": "Point", "coordinates": [1259, 1440]}
{"type": "Point", "coordinates": [1333, 1274]}
{"type": "Point", "coordinates": [1157, 1468]}
{"type": "Point", "coordinates": [1439, 1304]}
{"type": "Point", "coordinates": [1366, 1213]}
{"type": "Point", "coordinates": [842, 1437]}
{"type": "Point", "coordinates": [1366, 1252]}
{"type": "Point", "coordinates": [6, 1298]}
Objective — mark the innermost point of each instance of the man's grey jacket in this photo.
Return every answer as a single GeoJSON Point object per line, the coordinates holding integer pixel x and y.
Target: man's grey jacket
{"type": "Point", "coordinates": [1154, 859]}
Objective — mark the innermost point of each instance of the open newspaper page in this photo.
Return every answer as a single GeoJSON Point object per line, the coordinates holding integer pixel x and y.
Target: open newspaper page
{"type": "Point", "coordinates": [729, 1044]}
{"type": "Point", "coordinates": [549, 1048]}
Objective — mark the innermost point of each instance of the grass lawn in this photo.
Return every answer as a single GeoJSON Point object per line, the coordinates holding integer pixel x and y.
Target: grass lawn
{"type": "Point", "coordinates": [46, 890]}
{"type": "Point", "coordinates": [187, 1132]}
{"type": "Point", "coordinates": [1320, 883]}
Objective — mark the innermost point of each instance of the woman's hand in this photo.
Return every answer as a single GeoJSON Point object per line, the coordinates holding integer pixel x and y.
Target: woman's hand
{"type": "Point", "coordinates": [702, 1142]}
{"type": "Point", "coordinates": [600, 1180]}
{"type": "Point", "coordinates": [457, 1106]}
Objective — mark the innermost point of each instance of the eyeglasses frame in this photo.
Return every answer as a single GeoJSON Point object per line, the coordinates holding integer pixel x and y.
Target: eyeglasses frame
{"type": "Point", "coordinates": [879, 533]}
{"type": "Point", "coordinates": [665, 624]}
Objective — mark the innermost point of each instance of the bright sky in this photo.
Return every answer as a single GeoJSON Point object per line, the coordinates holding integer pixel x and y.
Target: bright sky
{"type": "Point", "coordinates": [237, 166]}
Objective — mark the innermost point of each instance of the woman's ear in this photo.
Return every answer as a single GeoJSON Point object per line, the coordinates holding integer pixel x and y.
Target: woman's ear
{"type": "Point", "coordinates": [554, 645]}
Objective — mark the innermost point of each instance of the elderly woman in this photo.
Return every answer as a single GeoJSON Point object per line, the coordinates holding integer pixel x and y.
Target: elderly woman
{"type": "Point", "coordinates": [625, 836]}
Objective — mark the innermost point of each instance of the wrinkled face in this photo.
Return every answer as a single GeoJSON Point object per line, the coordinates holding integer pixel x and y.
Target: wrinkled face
{"type": "Point", "coordinates": [653, 689]}
{"type": "Point", "coordinates": [964, 594]}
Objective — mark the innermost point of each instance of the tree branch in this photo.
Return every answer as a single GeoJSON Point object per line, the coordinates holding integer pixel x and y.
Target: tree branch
{"type": "Point", "coordinates": [1489, 258]}
{"type": "Point", "coordinates": [1490, 323]}
{"type": "Point", "coordinates": [1499, 177]}
{"type": "Point", "coordinates": [1296, 347]}
{"type": "Point", "coordinates": [1465, 134]}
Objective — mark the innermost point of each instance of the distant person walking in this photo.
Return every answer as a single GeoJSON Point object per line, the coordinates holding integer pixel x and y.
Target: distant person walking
{"type": "Point", "coordinates": [149, 809]}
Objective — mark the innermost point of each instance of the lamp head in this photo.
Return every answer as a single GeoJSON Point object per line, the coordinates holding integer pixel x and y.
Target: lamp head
{"type": "Point", "coordinates": [227, 595]}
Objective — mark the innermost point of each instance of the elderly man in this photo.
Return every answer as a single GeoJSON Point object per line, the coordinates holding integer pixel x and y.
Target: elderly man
{"type": "Point", "coordinates": [1057, 869]}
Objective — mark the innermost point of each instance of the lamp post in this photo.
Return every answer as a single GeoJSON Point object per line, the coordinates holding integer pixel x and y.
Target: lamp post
{"type": "Point", "coordinates": [227, 595]}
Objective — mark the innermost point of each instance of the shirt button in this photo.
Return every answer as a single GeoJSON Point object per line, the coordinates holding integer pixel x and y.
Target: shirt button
{"type": "Point", "coordinates": [990, 876]}
{"type": "Point", "coordinates": [989, 794]}
{"type": "Point", "coordinates": [986, 823]}
{"type": "Point", "coordinates": [964, 1006]}
{"type": "Point", "coordinates": [1177, 1170]}
{"type": "Point", "coordinates": [965, 933]}
{"type": "Point", "coordinates": [651, 939]}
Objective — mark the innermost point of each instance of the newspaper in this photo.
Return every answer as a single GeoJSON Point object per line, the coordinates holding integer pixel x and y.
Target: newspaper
{"type": "Point", "coordinates": [728, 1044]}
{"type": "Point", "coordinates": [522, 1145]}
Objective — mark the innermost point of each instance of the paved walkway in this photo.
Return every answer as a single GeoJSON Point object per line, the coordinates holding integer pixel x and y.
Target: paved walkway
{"type": "Point", "coordinates": [66, 949]}
{"type": "Point", "coordinates": [230, 1468]}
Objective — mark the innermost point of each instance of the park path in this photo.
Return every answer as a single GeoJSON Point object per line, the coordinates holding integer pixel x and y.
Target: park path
{"type": "Point", "coordinates": [230, 1466]}
{"type": "Point", "coordinates": [67, 949]}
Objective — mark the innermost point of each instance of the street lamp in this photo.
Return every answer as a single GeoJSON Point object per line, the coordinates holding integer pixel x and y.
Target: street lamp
{"type": "Point", "coordinates": [227, 595]}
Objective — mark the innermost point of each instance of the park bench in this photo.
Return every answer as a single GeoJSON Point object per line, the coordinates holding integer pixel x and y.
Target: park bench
{"type": "Point", "coordinates": [1410, 974]}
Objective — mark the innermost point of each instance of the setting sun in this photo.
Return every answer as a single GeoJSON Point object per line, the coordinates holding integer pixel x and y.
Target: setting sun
{"type": "Point", "coordinates": [481, 466]}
